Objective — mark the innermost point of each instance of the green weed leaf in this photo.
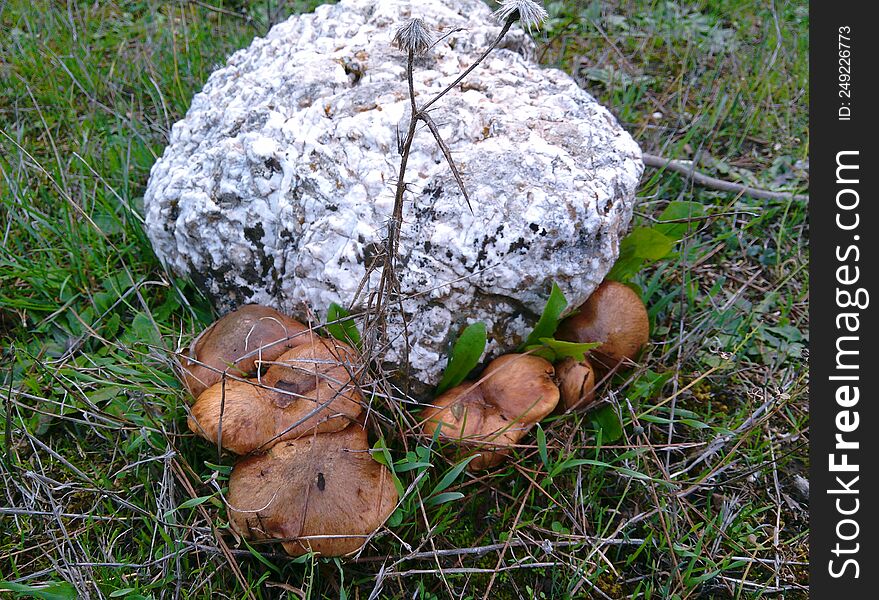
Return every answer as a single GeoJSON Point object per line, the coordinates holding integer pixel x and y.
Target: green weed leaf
{"type": "Point", "coordinates": [466, 353]}
{"type": "Point", "coordinates": [341, 327]}
{"type": "Point", "coordinates": [50, 591]}
{"type": "Point", "coordinates": [443, 498]}
{"type": "Point", "coordinates": [573, 350]}
{"type": "Point", "coordinates": [643, 245]}
{"type": "Point", "coordinates": [608, 422]}
{"type": "Point", "coordinates": [144, 330]}
{"type": "Point", "coordinates": [382, 456]}
{"type": "Point", "coordinates": [678, 211]}
{"type": "Point", "coordinates": [549, 320]}
{"type": "Point", "coordinates": [451, 475]}
{"type": "Point", "coordinates": [541, 446]}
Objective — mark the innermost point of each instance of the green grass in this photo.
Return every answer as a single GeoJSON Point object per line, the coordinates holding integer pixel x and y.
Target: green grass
{"type": "Point", "coordinates": [99, 471]}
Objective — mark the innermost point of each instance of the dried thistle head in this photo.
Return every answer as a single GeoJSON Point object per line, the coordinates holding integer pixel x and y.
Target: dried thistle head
{"type": "Point", "coordinates": [414, 37]}
{"type": "Point", "coordinates": [528, 12]}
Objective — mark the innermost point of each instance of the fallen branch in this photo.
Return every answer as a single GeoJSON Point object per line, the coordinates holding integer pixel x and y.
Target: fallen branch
{"type": "Point", "coordinates": [688, 170]}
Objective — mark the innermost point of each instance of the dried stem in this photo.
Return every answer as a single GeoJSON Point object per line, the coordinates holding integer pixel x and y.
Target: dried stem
{"type": "Point", "coordinates": [389, 285]}
{"type": "Point", "coordinates": [479, 60]}
{"type": "Point", "coordinates": [448, 154]}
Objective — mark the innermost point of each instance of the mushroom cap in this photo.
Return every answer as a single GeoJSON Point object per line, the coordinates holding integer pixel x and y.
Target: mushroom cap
{"type": "Point", "coordinates": [322, 493]}
{"type": "Point", "coordinates": [235, 343]}
{"type": "Point", "coordinates": [576, 383]}
{"type": "Point", "coordinates": [516, 391]}
{"type": "Point", "coordinates": [309, 388]}
{"type": "Point", "coordinates": [613, 315]}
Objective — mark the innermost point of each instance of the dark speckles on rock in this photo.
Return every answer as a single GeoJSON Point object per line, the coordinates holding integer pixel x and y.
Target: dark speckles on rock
{"type": "Point", "coordinates": [273, 165]}
{"type": "Point", "coordinates": [372, 252]}
{"type": "Point", "coordinates": [520, 245]}
{"type": "Point", "coordinates": [255, 235]}
{"type": "Point", "coordinates": [228, 199]}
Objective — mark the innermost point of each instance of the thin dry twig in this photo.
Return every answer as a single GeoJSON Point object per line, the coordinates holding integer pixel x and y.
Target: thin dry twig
{"type": "Point", "coordinates": [687, 169]}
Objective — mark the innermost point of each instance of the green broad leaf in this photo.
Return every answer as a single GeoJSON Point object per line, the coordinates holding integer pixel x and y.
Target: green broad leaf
{"type": "Point", "coordinates": [678, 212]}
{"type": "Point", "coordinates": [695, 424]}
{"type": "Point", "coordinates": [573, 350]}
{"type": "Point", "coordinates": [341, 327]}
{"type": "Point", "coordinates": [382, 456]}
{"type": "Point", "coordinates": [572, 463]}
{"type": "Point", "coordinates": [549, 320]}
{"type": "Point", "coordinates": [541, 446]}
{"type": "Point", "coordinates": [541, 351]}
{"type": "Point", "coordinates": [608, 422]}
{"type": "Point", "coordinates": [410, 466]}
{"type": "Point", "coordinates": [50, 591]}
{"type": "Point", "coordinates": [422, 452]}
{"type": "Point", "coordinates": [634, 474]}
{"type": "Point", "coordinates": [649, 243]}
{"type": "Point", "coordinates": [648, 384]}
{"type": "Point", "coordinates": [195, 501]}
{"type": "Point", "coordinates": [188, 504]}
{"type": "Point", "coordinates": [104, 394]}
{"type": "Point", "coordinates": [144, 330]}
{"type": "Point", "coordinates": [643, 245]}
{"type": "Point", "coordinates": [451, 475]}
{"type": "Point", "coordinates": [396, 519]}
{"type": "Point", "coordinates": [627, 264]}
{"type": "Point", "coordinates": [221, 469]}
{"type": "Point", "coordinates": [465, 355]}
{"type": "Point", "coordinates": [443, 498]}
{"type": "Point", "coordinates": [256, 554]}
{"type": "Point", "coordinates": [111, 327]}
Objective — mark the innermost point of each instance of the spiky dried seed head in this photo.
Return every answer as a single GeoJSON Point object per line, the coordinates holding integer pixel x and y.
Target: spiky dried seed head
{"type": "Point", "coordinates": [414, 37]}
{"type": "Point", "coordinates": [528, 12]}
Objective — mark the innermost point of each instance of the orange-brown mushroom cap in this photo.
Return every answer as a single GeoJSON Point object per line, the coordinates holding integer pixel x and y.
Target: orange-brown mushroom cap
{"type": "Point", "coordinates": [309, 388]}
{"type": "Point", "coordinates": [234, 344]}
{"type": "Point", "coordinates": [515, 392]}
{"type": "Point", "coordinates": [576, 383]}
{"type": "Point", "coordinates": [613, 315]}
{"type": "Point", "coordinates": [322, 493]}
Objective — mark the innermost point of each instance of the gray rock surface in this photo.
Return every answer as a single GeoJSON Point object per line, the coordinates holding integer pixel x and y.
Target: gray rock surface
{"type": "Point", "coordinates": [277, 185]}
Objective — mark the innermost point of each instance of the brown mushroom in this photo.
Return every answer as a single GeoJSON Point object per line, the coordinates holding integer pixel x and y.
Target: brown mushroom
{"type": "Point", "coordinates": [234, 344]}
{"type": "Point", "coordinates": [515, 392]}
{"type": "Point", "coordinates": [309, 388]}
{"type": "Point", "coordinates": [615, 316]}
{"type": "Point", "coordinates": [322, 493]}
{"type": "Point", "coordinates": [576, 383]}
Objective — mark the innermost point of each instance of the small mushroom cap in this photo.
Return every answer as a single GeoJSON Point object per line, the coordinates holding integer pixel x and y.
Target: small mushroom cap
{"type": "Point", "coordinates": [309, 388]}
{"type": "Point", "coordinates": [322, 493]}
{"type": "Point", "coordinates": [521, 386]}
{"type": "Point", "coordinates": [576, 383]}
{"type": "Point", "coordinates": [472, 423]}
{"type": "Point", "coordinates": [615, 316]}
{"type": "Point", "coordinates": [236, 342]}
{"type": "Point", "coordinates": [516, 391]}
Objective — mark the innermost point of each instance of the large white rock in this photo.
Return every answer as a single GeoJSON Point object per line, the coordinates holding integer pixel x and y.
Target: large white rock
{"type": "Point", "coordinates": [277, 186]}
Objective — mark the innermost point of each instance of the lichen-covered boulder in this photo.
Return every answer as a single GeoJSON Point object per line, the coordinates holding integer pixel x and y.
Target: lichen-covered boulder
{"type": "Point", "coordinates": [277, 186]}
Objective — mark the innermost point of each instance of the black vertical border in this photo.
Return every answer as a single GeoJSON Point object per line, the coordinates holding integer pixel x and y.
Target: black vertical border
{"type": "Point", "coordinates": [830, 135]}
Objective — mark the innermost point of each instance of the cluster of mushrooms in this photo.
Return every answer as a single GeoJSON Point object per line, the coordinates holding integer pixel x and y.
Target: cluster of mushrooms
{"type": "Point", "coordinates": [516, 391]}
{"type": "Point", "coordinates": [270, 389]}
